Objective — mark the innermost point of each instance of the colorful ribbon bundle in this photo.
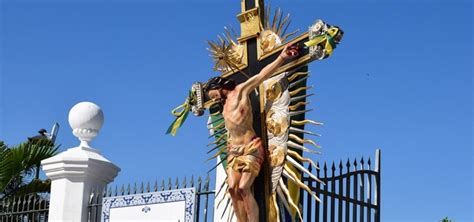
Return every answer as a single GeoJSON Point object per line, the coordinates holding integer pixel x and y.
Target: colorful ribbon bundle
{"type": "Point", "coordinates": [328, 38]}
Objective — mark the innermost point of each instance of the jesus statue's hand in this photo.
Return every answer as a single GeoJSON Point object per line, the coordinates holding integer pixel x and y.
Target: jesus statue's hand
{"type": "Point", "coordinates": [290, 51]}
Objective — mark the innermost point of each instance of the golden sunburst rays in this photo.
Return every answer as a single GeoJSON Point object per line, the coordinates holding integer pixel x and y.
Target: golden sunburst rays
{"type": "Point", "coordinates": [226, 53]}
{"type": "Point", "coordinates": [274, 30]}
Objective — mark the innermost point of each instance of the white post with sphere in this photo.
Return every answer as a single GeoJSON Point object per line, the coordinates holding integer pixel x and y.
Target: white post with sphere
{"type": "Point", "coordinates": [78, 170]}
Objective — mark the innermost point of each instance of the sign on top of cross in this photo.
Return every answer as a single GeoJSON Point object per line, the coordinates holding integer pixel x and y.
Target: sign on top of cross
{"type": "Point", "coordinates": [255, 53]}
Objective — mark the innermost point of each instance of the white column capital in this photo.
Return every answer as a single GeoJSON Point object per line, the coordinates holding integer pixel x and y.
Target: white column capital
{"type": "Point", "coordinates": [80, 162]}
{"type": "Point", "coordinates": [78, 170]}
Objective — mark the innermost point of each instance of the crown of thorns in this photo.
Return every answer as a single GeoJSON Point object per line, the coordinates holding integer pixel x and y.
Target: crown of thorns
{"type": "Point", "coordinates": [218, 82]}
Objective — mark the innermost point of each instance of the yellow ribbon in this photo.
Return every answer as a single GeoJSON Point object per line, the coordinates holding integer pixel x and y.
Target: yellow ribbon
{"type": "Point", "coordinates": [181, 113]}
{"type": "Point", "coordinates": [328, 38]}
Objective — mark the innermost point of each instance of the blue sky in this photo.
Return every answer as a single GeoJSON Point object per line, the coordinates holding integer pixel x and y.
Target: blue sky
{"type": "Point", "coordinates": [401, 80]}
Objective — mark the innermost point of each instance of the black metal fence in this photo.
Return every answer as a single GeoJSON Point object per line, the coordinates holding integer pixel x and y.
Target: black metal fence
{"type": "Point", "coordinates": [351, 192]}
{"type": "Point", "coordinates": [29, 208]}
{"type": "Point", "coordinates": [203, 201]}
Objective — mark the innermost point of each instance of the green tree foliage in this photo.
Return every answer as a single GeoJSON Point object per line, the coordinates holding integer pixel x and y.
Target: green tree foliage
{"type": "Point", "coordinates": [20, 165]}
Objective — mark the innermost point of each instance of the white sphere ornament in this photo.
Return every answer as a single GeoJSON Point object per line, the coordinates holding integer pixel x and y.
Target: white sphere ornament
{"type": "Point", "coordinates": [86, 119]}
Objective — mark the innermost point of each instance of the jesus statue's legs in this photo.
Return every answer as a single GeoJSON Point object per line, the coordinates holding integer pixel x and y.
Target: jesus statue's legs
{"type": "Point", "coordinates": [250, 205]}
{"type": "Point", "coordinates": [233, 178]}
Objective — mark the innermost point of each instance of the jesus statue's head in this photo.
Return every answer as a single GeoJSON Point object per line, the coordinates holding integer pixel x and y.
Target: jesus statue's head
{"type": "Point", "coordinates": [218, 88]}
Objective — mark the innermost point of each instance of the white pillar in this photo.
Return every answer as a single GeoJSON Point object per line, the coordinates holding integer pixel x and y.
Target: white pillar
{"type": "Point", "coordinates": [78, 170]}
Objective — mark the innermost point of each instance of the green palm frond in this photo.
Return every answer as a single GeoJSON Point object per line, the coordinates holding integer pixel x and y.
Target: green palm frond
{"type": "Point", "coordinates": [3, 150]}
{"type": "Point", "coordinates": [21, 162]}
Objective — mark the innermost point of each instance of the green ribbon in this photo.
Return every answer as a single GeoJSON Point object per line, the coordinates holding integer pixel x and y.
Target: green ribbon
{"type": "Point", "coordinates": [327, 38]}
{"type": "Point", "coordinates": [181, 113]}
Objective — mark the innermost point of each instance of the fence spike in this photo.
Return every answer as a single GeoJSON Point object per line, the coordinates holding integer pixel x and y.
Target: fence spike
{"type": "Point", "coordinates": [28, 203]}
{"type": "Point", "coordinates": [122, 190]}
{"type": "Point", "coordinates": [93, 196]}
{"type": "Point", "coordinates": [155, 187]}
{"type": "Point", "coordinates": [23, 202]}
{"type": "Point", "coordinates": [40, 204]}
{"type": "Point", "coordinates": [135, 188]}
{"type": "Point", "coordinates": [45, 204]}
{"type": "Point", "coordinates": [162, 184]}
{"type": "Point", "coordinates": [199, 184]}
{"type": "Point", "coordinates": [104, 192]}
{"type": "Point", "coordinates": [148, 186]}
{"type": "Point", "coordinates": [348, 164]}
{"type": "Point", "coordinates": [369, 163]}
{"type": "Point", "coordinates": [206, 186]}
{"type": "Point", "coordinates": [325, 170]}
{"type": "Point", "coordinates": [355, 163]}
{"type": "Point", "coordinates": [176, 183]}
{"type": "Point", "coordinates": [93, 190]}
{"type": "Point", "coordinates": [29, 196]}
{"type": "Point", "coordinates": [17, 202]}
{"type": "Point", "coordinates": [362, 163]}
{"type": "Point", "coordinates": [192, 181]}
{"type": "Point", "coordinates": [184, 182]}
{"type": "Point", "coordinates": [112, 191]}
{"type": "Point", "coordinates": [29, 200]}
{"type": "Point", "coordinates": [142, 188]}
{"type": "Point", "coordinates": [318, 169]}
{"type": "Point", "coordinates": [333, 169]}
{"type": "Point", "coordinates": [340, 167]}
{"type": "Point", "coordinates": [33, 201]}
{"type": "Point", "coordinates": [109, 192]}
{"type": "Point", "coordinates": [106, 189]}
{"type": "Point", "coordinates": [100, 195]}
{"type": "Point", "coordinates": [169, 183]}
{"type": "Point", "coordinates": [128, 189]}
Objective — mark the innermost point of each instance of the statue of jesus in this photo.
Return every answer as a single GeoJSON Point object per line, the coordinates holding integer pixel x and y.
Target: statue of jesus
{"type": "Point", "coordinates": [245, 152]}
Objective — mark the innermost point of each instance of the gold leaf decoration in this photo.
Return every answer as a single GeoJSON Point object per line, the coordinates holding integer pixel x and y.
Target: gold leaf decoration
{"type": "Point", "coordinates": [274, 31]}
{"type": "Point", "coordinates": [226, 53]}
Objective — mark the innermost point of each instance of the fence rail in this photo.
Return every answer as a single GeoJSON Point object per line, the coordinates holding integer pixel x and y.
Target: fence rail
{"type": "Point", "coordinates": [29, 208]}
{"type": "Point", "coordinates": [351, 192]}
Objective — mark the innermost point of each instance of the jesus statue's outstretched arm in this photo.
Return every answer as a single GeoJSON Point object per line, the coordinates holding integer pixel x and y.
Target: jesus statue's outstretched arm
{"type": "Point", "coordinates": [267, 71]}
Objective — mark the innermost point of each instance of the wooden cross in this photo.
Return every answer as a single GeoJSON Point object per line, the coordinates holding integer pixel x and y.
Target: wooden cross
{"type": "Point", "coordinates": [253, 60]}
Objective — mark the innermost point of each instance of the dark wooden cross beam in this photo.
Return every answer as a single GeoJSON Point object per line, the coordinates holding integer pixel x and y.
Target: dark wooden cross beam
{"type": "Point", "coordinates": [255, 60]}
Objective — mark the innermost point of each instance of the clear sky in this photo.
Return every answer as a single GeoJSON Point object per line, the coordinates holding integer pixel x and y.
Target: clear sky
{"type": "Point", "coordinates": [401, 80]}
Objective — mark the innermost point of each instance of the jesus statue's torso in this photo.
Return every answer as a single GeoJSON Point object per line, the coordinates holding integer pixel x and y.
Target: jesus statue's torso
{"type": "Point", "coordinates": [238, 118]}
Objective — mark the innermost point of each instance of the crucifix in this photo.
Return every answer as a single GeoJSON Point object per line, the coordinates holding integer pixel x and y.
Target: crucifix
{"type": "Point", "coordinates": [277, 106]}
